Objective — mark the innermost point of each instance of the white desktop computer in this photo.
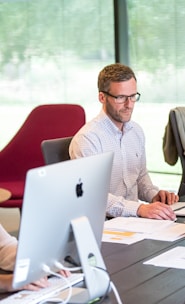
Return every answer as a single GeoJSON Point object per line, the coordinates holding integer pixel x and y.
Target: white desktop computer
{"type": "Point", "coordinates": [62, 220]}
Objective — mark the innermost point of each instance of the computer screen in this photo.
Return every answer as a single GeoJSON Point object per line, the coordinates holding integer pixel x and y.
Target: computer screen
{"type": "Point", "coordinates": [55, 196]}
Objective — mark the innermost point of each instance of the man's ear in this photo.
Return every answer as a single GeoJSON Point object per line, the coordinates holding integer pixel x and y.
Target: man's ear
{"type": "Point", "coordinates": [101, 97]}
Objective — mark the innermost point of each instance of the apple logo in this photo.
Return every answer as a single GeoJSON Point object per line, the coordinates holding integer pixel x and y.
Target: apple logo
{"type": "Point", "coordinates": [79, 190]}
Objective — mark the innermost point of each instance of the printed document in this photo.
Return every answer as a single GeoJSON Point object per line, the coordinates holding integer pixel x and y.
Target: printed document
{"type": "Point", "coordinates": [128, 230]}
{"type": "Point", "coordinates": [173, 258]}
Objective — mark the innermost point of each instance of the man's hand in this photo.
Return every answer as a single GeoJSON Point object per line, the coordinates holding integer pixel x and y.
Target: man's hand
{"type": "Point", "coordinates": [165, 197]}
{"type": "Point", "coordinates": [157, 211]}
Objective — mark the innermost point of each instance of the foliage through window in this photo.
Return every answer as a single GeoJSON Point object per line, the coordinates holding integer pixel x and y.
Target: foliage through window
{"type": "Point", "coordinates": [157, 53]}
{"type": "Point", "coordinates": [51, 52]}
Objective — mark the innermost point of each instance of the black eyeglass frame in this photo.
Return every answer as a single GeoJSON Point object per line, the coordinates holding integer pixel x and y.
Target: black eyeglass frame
{"type": "Point", "coordinates": [137, 95]}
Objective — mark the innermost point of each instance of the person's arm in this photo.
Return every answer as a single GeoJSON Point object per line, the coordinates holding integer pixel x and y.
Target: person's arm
{"type": "Point", "coordinates": [118, 206]}
{"type": "Point", "coordinates": [149, 192]}
{"type": "Point", "coordinates": [156, 207]}
{"type": "Point", "coordinates": [8, 249]}
{"type": "Point", "coordinates": [146, 189]}
{"type": "Point", "coordinates": [6, 282]}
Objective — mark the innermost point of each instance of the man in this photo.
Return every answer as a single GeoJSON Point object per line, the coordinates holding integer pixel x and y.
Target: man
{"type": "Point", "coordinates": [113, 130]}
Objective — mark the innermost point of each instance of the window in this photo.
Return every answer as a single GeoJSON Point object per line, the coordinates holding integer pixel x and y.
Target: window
{"type": "Point", "coordinates": [51, 52]}
{"type": "Point", "coordinates": [157, 51]}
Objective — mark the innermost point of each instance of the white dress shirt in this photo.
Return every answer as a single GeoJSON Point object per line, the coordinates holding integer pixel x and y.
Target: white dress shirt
{"type": "Point", "coordinates": [130, 182]}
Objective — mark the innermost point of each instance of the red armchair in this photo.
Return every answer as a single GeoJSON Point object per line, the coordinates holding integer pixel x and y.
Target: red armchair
{"type": "Point", "coordinates": [23, 152]}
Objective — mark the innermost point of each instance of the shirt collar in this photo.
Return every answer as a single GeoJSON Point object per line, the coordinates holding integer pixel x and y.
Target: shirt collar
{"type": "Point", "coordinates": [104, 117]}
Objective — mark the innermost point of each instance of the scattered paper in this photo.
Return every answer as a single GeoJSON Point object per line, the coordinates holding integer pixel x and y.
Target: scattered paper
{"type": "Point", "coordinates": [177, 205]}
{"type": "Point", "coordinates": [136, 224]}
{"type": "Point", "coordinates": [171, 233]}
{"type": "Point", "coordinates": [122, 237]}
{"type": "Point", "coordinates": [128, 230]}
{"type": "Point", "coordinates": [173, 258]}
{"type": "Point", "coordinates": [179, 208]}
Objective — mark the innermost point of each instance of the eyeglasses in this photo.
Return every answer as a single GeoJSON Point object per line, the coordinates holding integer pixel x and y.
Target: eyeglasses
{"type": "Point", "coordinates": [123, 98]}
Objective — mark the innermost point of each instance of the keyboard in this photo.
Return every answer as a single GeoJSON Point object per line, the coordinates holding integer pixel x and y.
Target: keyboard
{"type": "Point", "coordinates": [33, 297]}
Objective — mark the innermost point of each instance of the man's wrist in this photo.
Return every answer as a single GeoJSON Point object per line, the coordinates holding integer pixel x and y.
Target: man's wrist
{"type": "Point", "coordinates": [139, 210]}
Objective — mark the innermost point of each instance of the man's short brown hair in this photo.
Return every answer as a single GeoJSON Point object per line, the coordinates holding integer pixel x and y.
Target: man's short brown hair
{"type": "Point", "coordinates": [116, 72]}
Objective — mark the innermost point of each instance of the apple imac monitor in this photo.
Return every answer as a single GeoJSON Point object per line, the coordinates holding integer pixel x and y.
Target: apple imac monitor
{"type": "Point", "coordinates": [63, 213]}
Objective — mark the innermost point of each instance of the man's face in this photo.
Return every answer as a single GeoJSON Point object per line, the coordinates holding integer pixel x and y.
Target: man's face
{"type": "Point", "coordinates": [119, 113]}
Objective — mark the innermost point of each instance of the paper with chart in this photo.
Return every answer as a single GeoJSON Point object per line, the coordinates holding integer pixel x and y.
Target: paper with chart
{"type": "Point", "coordinates": [128, 230]}
{"type": "Point", "coordinates": [122, 237]}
